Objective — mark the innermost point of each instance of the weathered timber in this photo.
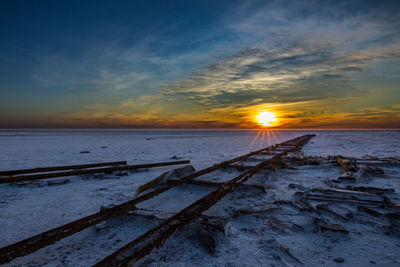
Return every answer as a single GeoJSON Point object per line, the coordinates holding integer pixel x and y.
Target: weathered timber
{"type": "Point", "coordinates": [324, 207]}
{"type": "Point", "coordinates": [248, 211]}
{"type": "Point", "coordinates": [350, 201]}
{"type": "Point", "coordinates": [393, 215]}
{"type": "Point", "coordinates": [308, 205]}
{"type": "Point", "coordinates": [369, 211]}
{"type": "Point", "coordinates": [346, 164]}
{"type": "Point", "coordinates": [298, 186]}
{"type": "Point", "coordinates": [342, 191]}
{"type": "Point", "coordinates": [368, 189]}
{"type": "Point", "coordinates": [392, 160]}
{"type": "Point", "coordinates": [89, 171]}
{"type": "Point", "coordinates": [373, 170]}
{"type": "Point", "coordinates": [44, 239]}
{"type": "Point", "coordinates": [324, 225]}
{"type": "Point", "coordinates": [373, 190]}
{"type": "Point", "coordinates": [62, 168]}
{"type": "Point", "coordinates": [287, 252]}
{"type": "Point", "coordinates": [157, 236]}
{"type": "Point", "coordinates": [373, 198]}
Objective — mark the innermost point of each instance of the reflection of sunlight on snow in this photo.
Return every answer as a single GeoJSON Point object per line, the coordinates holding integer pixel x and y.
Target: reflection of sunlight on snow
{"type": "Point", "coordinates": [265, 138]}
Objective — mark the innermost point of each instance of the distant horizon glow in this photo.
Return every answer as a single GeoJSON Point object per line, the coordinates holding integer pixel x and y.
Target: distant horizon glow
{"type": "Point", "coordinates": [200, 64]}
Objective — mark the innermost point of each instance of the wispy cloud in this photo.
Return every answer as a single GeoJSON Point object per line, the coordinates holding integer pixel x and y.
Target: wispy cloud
{"type": "Point", "coordinates": [310, 61]}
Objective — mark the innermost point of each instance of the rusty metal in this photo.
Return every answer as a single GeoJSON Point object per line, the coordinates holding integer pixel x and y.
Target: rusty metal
{"type": "Point", "coordinates": [346, 164]}
{"type": "Point", "coordinates": [44, 239]}
{"type": "Point", "coordinates": [157, 236]}
{"type": "Point", "coordinates": [62, 168]}
{"type": "Point", "coordinates": [88, 171]}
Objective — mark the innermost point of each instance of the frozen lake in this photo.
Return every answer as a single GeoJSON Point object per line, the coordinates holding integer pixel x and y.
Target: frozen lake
{"type": "Point", "coordinates": [30, 209]}
{"type": "Point", "coordinates": [28, 149]}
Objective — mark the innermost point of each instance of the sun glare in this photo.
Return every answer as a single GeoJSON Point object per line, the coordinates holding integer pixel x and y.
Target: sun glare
{"type": "Point", "coordinates": [266, 118]}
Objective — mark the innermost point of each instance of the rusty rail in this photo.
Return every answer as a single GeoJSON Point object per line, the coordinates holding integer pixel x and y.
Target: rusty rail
{"type": "Point", "coordinates": [32, 244]}
{"type": "Point", "coordinates": [88, 171]}
{"type": "Point", "coordinates": [61, 168]}
{"type": "Point", "coordinates": [157, 236]}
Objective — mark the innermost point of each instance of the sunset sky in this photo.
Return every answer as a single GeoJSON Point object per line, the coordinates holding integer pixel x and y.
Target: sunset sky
{"type": "Point", "coordinates": [199, 64]}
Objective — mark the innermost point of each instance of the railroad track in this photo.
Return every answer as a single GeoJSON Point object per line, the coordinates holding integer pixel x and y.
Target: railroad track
{"type": "Point", "coordinates": [74, 170]}
{"type": "Point", "coordinates": [155, 237]}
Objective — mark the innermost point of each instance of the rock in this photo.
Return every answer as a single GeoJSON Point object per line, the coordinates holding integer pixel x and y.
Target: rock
{"type": "Point", "coordinates": [180, 172]}
{"type": "Point", "coordinates": [85, 152]}
{"type": "Point", "coordinates": [103, 147]}
{"type": "Point", "coordinates": [100, 226]}
{"type": "Point", "coordinates": [340, 259]}
{"type": "Point", "coordinates": [175, 157]}
{"type": "Point", "coordinates": [31, 184]}
{"type": "Point", "coordinates": [57, 182]}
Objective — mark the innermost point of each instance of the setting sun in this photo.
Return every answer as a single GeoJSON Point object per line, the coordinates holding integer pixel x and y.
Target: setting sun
{"type": "Point", "coordinates": [265, 118]}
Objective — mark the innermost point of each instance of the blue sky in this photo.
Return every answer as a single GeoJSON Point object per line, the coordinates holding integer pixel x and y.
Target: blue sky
{"type": "Point", "coordinates": [199, 64]}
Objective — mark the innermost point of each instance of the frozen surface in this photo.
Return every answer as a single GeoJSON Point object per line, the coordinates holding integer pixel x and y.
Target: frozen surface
{"type": "Point", "coordinates": [34, 208]}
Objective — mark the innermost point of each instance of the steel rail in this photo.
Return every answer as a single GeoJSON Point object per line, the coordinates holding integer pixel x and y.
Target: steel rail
{"type": "Point", "coordinates": [61, 168]}
{"type": "Point", "coordinates": [88, 171]}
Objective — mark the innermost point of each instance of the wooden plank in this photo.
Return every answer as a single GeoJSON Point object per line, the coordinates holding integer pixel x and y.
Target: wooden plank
{"type": "Point", "coordinates": [62, 168]}
{"type": "Point", "coordinates": [88, 171]}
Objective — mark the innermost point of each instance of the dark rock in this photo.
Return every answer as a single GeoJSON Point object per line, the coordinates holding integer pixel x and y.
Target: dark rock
{"type": "Point", "coordinates": [207, 240]}
{"type": "Point", "coordinates": [313, 162]}
{"type": "Point", "coordinates": [340, 260]}
{"type": "Point", "coordinates": [85, 152]}
{"type": "Point", "coordinates": [122, 173]}
{"type": "Point", "coordinates": [57, 182]}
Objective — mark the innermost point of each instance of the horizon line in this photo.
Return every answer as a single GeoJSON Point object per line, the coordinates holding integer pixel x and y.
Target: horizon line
{"type": "Point", "coordinates": [199, 129]}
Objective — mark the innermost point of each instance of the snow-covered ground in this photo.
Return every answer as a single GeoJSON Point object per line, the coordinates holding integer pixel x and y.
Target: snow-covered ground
{"type": "Point", "coordinates": [252, 241]}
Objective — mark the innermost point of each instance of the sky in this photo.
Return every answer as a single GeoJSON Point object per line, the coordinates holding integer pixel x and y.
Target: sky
{"type": "Point", "coordinates": [199, 64]}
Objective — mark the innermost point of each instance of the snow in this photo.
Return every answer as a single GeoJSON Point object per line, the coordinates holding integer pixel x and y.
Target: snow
{"type": "Point", "coordinates": [252, 241]}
